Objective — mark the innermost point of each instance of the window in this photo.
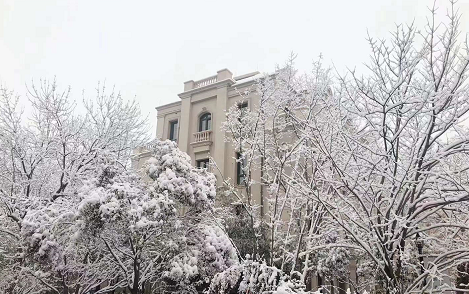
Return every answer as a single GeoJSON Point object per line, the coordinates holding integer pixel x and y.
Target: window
{"type": "Point", "coordinates": [173, 130]}
{"type": "Point", "coordinates": [240, 173]}
{"type": "Point", "coordinates": [205, 122]}
{"type": "Point", "coordinates": [243, 107]}
{"type": "Point", "coordinates": [203, 163]}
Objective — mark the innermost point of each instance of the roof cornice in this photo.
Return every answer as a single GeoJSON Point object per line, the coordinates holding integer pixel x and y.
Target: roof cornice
{"type": "Point", "coordinates": [168, 105]}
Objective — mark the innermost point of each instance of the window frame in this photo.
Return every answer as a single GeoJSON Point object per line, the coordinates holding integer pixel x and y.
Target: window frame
{"type": "Point", "coordinates": [206, 161]}
{"type": "Point", "coordinates": [243, 106]}
{"type": "Point", "coordinates": [171, 130]}
{"type": "Point", "coordinates": [208, 121]}
{"type": "Point", "coordinates": [240, 173]}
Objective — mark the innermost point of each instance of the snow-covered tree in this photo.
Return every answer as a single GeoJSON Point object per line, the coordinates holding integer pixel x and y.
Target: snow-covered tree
{"type": "Point", "coordinates": [204, 249]}
{"type": "Point", "coordinates": [45, 156]}
{"type": "Point", "coordinates": [400, 167]}
{"type": "Point", "coordinates": [271, 138]}
{"type": "Point", "coordinates": [391, 164]}
{"type": "Point", "coordinates": [75, 219]}
{"type": "Point", "coordinates": [381, 159]}
{"type": "Point", "coordinates": [118, 232]}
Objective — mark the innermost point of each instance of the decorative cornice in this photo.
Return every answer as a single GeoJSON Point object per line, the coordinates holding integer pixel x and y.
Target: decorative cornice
{"type": "Point", "coordinates": [158, 108]}
{"type": "Point", "coordinates": [163, 113]}
{"type": "Point", "coordinates": [202, 143]}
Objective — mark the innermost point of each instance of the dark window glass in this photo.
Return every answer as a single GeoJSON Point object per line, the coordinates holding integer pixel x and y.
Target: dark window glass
{"type": "Point", "coordinates": [240, 165]}
{"type": "Point", "coordinates": [243, 106]}
{"type": "Point", "coordinates": [205, 122]}
{"type": "Point", "coordinates": [173, 130]}
{"type": "Point", "coordinates": [203, 163]}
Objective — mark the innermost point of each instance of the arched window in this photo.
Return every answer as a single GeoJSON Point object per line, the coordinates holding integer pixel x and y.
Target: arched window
{"type": "Point", "coordinates": [205, 122]}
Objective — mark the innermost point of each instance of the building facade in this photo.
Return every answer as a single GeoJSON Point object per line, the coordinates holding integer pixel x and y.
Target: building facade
{"type": "Point", "coordinates": [195, 123]}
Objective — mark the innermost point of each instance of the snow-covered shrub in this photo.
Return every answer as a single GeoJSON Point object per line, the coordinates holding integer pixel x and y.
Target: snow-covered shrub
{"type": "Point", "coordinates": [333, 262]}
{"type": "Point", "coordinates": [215, 250]}
{"type": "Point", "coordinates": [254, 277]}
{"type": "Point", "coordinates": [172, 172]}
{"type": "Point", "coordinates": [237, 223]}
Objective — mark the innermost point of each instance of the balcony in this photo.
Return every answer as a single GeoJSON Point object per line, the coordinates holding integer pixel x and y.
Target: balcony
{"type": "Point", "coordinates": [205, 82]}
{"type": "Point", "coordinates": [202, 141]}
{"type": "Point", "coordinates": [204, 136]}
{"type": "Point", "coordinates": [221, 77]}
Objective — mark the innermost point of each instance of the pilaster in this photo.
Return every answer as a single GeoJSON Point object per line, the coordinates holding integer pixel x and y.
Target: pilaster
{"type": "Point", "coordinates": [219, 144]}
{"type": "Point", "coordinates": [184, 131]}
{"type": "Point", "coordinates": [160, 127]}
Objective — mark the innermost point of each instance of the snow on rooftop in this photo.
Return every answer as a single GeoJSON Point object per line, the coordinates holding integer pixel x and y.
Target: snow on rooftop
{"type": "Point", "coordinates": [248, 78]}
{"type": "Point", "coordinates": [245, 76]}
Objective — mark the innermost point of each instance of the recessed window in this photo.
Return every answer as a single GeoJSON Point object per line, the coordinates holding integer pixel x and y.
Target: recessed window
{"type": "Point", "coordinates": [173, 130]}
{"type": "Point", "coordinates": [203, 163]}
{"type": "Point", "coordinates": [205, 122]}
{"type": "Point", "coordinates": [243, 105]}
{"type": "Point", "coordinates": [240, 166]}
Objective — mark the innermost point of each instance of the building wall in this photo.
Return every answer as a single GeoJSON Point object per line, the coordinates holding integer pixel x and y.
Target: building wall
{"type": "Point", "coordinates": [213, 98]}
{"type": "Point", "coordinates": [216, 95]}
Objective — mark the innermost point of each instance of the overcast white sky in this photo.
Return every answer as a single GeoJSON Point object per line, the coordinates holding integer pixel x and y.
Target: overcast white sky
{"type": "Point", "coordinates": [147, 49]}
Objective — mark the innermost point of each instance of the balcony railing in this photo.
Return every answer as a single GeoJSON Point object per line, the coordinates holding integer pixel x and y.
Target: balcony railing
{"type": "Point", "coordinates": [205, 82]}
{"type": "Point", "coordinates": [204, 136]}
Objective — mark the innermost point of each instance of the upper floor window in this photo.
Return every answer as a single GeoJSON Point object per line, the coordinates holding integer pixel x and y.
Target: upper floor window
{"type": "Point", "coordinates": [240, 169]}
{"type": "Point", "coordinates": [203, 163]}
{"type": "Point", "coordinates": [243, 107]}
{"type": "Point", "coordinates": [173, 130]}
{"type": "Point", "coordinates": [205, 122]}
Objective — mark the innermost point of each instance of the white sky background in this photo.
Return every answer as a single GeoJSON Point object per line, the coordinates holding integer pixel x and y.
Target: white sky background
{"type": "Point", "coordinates": [147, 49]}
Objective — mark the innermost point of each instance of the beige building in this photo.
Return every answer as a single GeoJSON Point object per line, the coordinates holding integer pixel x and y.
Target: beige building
{"type": "Point", "coordinates": [195, 122]}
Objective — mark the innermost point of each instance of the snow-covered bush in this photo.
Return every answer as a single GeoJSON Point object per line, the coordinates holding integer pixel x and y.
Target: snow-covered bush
{"type": "Point", "coordinates": [172, 172]}
{"type": "Point", "coordinates": [254, 277]}
{"type": "Point", "coordinates": [333, 263]}
{"type": "Point", "coordinates": [208, 252]}
{"type": "Point", "coordinates": [203, 249]}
